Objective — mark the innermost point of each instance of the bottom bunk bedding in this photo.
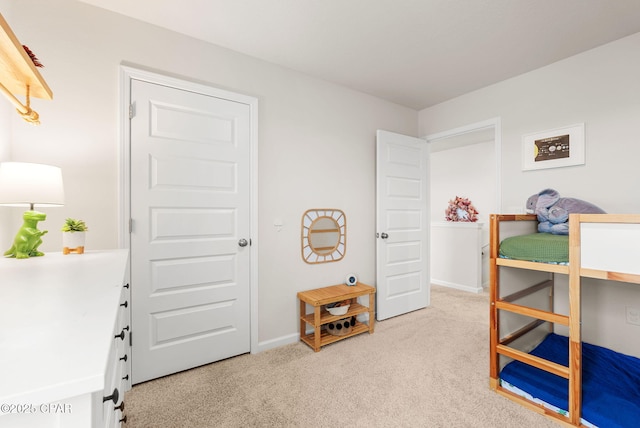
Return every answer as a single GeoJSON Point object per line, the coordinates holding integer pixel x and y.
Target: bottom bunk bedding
{"type": "Point", "coordinates": [610, 382]}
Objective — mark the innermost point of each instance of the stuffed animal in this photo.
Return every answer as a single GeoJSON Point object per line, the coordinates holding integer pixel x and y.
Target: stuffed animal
{"type": "Point", "coordinates": [553, 211]}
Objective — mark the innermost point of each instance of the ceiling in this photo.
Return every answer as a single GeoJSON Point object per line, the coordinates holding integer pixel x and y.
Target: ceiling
{"type": "Point", "coordinates": [415, 53]}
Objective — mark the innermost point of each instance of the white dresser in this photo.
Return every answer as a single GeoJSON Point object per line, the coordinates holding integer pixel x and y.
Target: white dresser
{"type": "Point", "coordinates": [64, 340]}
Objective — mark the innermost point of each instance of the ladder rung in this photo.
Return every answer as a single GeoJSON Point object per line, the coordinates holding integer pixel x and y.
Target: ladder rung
{"type": "Point", "coordinates": [532, 360]}
{"type": "Point", "coordinates": [533, 313]}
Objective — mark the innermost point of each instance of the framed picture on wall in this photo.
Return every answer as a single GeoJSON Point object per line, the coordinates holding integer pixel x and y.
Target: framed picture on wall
{"type": "Point", "coordinates": [554, 148]}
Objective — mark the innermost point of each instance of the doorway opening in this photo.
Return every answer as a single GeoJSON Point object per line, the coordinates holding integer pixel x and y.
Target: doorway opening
{"type": "Point", "coordinates": [465, 163]}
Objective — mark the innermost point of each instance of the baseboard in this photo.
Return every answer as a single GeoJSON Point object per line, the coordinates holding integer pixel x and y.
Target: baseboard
{"type": "Point", "coordinates": [457, 286]}
{"type": "Point", "coordinates": [276, 343]}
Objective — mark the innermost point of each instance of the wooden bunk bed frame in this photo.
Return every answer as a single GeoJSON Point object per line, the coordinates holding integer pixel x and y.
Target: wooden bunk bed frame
{"type": "Point", "coordinates": [500, 345]}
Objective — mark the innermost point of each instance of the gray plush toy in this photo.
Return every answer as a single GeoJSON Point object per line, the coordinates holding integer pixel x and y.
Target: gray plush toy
{"type": "Point", "coordinates": [553, 211]}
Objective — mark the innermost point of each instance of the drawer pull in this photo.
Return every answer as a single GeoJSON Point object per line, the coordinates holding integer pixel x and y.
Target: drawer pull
{"type": "Point", "coordinates": [125, 304]}
{"type": "Point", "coordinates": [123, 420]}
{"type": "Point", "coordinates": [120, 407]}
{"type": "Point", "coordinates": [113, 397]}
{"type": "Point", "coordinates": [121, 335]}
{"type": "Point", "coordinates": [126, 285]}
{"type": "Point", "coordinates": [125, 377]}
{"type": "Point", "coordinates": [124, 358]}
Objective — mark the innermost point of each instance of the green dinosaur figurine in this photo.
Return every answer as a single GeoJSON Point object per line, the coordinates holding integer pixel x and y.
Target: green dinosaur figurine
{"type": "Point", "coordinates": [27, 240]}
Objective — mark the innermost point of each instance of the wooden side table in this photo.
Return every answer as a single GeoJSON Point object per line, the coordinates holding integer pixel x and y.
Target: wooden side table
{"type": "Point", "coordinates": [336, 293]}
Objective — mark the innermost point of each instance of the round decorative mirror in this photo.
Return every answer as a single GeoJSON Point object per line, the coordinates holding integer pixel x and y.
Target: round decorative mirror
{"type": "Point", "coordinates": [324, 235]}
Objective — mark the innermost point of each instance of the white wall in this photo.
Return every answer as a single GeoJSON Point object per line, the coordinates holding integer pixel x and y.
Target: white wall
{"type": "Point", "coordinates": [599, 88]}
{"type": "Point", "coordinates": [316, 140]}
{"type": "Point", "coordinates": [6, 109]}
{"type": "Point", "coordinates": [468, 172]}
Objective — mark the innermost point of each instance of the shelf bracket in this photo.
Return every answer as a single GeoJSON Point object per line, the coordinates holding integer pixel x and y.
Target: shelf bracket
{"type": "Point", "coordinates": [18, 74]}
{"type": "Point", "coordinates": [25, 111]}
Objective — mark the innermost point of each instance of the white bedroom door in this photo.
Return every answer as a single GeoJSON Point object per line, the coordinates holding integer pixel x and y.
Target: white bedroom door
{"type": "Point", "coordinates": [190, 255]}
{"type": "Point", "coordinates": [402, 224]}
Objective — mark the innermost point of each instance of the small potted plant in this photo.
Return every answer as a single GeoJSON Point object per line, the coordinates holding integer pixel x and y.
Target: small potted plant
{"type": "Point", "coordinates": [73, 236]}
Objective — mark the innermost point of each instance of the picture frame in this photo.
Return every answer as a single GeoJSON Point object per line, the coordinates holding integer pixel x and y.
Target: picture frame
{"type": "Point", "coordinates": [554, 148]}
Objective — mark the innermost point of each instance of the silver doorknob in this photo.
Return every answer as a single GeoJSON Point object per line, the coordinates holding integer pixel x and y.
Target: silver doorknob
{"type": "Point", "coordinates": [243, 242]}
{"type": "Point", "coordinates": [384, 235]}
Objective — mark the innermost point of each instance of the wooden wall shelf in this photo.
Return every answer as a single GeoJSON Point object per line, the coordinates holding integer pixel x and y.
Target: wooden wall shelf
{"type": "Point", "coordinates": [18, 74]}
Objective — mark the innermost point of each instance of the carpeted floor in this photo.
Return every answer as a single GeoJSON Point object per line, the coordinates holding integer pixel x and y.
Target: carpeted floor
{"type": "Point", "coordinates": [428, 368]}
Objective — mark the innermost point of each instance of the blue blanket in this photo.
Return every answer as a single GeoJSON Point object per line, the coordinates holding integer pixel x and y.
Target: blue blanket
{"type": "Point", "coordinates": [610, 382]}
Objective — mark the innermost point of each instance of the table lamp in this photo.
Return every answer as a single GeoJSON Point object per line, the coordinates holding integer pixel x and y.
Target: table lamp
{"type": "Point", "coordinates": [30, 185]}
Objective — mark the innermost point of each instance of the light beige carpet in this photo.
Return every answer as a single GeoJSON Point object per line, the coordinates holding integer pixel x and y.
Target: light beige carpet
{"type": "Point", "coordinates": [428, 368]}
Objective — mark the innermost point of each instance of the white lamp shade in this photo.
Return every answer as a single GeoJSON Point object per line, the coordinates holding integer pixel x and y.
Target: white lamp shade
{"type": "Point", "coordinates": [26, 184]}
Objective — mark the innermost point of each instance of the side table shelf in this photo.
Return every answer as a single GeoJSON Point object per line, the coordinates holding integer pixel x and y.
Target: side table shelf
{"type": "Point", "coordinates": [320, 316]}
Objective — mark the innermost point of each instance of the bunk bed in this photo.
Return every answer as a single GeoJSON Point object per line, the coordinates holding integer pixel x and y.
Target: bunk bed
{"type": "Point", "coordinates": [557, 375]}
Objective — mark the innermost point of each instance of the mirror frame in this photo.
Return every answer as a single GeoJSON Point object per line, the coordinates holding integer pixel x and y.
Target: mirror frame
{"type": "Point", "coordinates": [309, 219]}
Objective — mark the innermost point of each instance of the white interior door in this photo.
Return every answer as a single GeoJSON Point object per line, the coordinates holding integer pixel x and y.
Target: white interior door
{"type": "Point", "coordinates": [402, 222]}
{"type": "Point", "coordinates": [190, 256]}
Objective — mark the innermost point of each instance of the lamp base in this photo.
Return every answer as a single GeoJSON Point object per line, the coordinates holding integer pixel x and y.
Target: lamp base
{"type": "Point", "coordinates": [28, 238]}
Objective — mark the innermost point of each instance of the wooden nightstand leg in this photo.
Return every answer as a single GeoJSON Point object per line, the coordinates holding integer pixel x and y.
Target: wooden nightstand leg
{"type": "Point", "coordinates": [317, 328]}
{"type": "Point", "coordinates": [372, 311]}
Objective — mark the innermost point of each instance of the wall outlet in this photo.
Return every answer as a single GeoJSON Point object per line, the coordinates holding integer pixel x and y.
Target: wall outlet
{"type": "Point", "coordinates": [633, 315]}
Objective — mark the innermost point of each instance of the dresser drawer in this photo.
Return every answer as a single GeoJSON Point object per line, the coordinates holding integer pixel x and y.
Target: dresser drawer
{"type": "Point", "coordinates": [117, 378]}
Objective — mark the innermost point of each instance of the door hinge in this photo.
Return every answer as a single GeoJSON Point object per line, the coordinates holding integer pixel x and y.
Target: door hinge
{"type": "Point", "coordinates": [130, 225]}
{"type": "Point", "coordinates": [130, 338]}
{"type": "Point", "coordinates": [132, 110]}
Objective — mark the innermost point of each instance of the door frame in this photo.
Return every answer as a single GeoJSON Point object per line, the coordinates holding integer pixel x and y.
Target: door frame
{"type": "Point", "coordinates": [127, 74]}
{"type": "Point", "coordinates": [496, 126]}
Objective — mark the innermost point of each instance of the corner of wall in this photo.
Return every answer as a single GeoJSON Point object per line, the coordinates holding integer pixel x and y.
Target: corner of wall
{"type": "Point", "coordinates": [5, 155]}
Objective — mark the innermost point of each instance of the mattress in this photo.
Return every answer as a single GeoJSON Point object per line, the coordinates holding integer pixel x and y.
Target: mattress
{"type": "Point", "coordinates": [536, 247]}
{"type": "Point", "coordinates": [610, 382]}
{"type": "Point", "coordinates": [506, 385]}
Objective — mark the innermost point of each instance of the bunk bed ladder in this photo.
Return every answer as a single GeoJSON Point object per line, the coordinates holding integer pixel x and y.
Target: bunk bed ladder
{"type": "Point", "coordinates": [499, 345]}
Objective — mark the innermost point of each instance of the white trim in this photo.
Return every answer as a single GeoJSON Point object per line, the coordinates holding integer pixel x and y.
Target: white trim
{"type": "Point", "coordinates": [456, 286]}
{"type": "Point", "coordinates": [126, 75]}
{"type": "Point", "coordinates": [494, 123]}
{"type": "Point", "coordinates": [277, 342]}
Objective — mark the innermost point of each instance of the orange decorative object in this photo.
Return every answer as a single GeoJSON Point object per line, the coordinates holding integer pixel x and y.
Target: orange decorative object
{"type": "Point", "coordinates": [67, 250]}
